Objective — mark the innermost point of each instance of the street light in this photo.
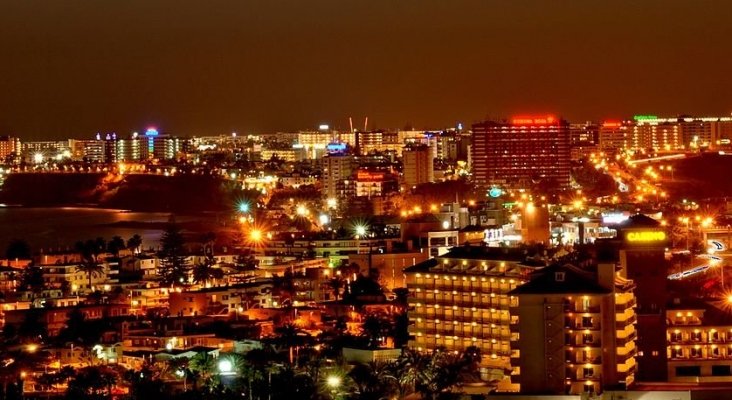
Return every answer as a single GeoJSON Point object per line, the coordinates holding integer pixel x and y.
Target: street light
{"type": "Point", "coordinates": [225, 366]}
{"type": "Point", "coordinates": [333, 381]}
{"type": "Point", "coordinates": [244, 207]}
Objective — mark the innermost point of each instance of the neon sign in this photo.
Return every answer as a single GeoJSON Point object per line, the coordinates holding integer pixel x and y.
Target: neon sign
{"type": "Point", "coordinates": [536, 120]}
{"type": "Point", "coordinates": [644, 117]}
{"type": "Point", "coordinates": [646, 236]}
{"type": "Point", "coordinates": [611, 124]}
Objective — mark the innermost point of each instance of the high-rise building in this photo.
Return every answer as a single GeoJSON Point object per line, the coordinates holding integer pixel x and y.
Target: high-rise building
{"type": "Point", "coordinates": [639, 252]}
{"type": "Point", "coordinates": [337, 168]}
{"type": "Point", "coordinates": [614, 135]}
{"type": "Point", "coordinates": [575, 330]}
{"type": "Point", "coordinates": [461, 299]}
{"type": "Point", "coordinates": [9, 146]}
{"type": "Point", "coordinates": [417, 161]}
{"type": "Point", "coordinates": [522, 153]}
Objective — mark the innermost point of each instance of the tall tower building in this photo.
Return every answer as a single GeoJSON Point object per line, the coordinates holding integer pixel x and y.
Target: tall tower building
{"type": "Point", "coordinates": [522, 153]}
{"type": "Point", "coordinates": [638, 253]}
{"type": "Point", "coordinates": [576, 331]}
{"type": "Point", "coordinates": [337, 168]}
{"type": "Point", "coordinates": [418, 166]}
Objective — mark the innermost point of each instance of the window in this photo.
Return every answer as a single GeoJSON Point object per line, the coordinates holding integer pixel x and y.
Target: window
{"type": "Point", "coordinates": [587, 338]}
{"type": "Point", "coordinates": [688, 371]}
{"type": "Point", "coordinates": [714, 352]}
{"type": "Point", "coordinates": [677, 353]}
{"type": "Point", "coordinates": [589, 388]}
{"type": "Point", "coordinates": [559, 276]}
{"type": "Point", "coordinates": [721, 370]}
{"type": "Point", "coordinates": [588, 372]}
{"type": "Point", "coordinates": [696, 352]}
{"type": "Point", "coordinates": [696, 336]}
{"type": "Point", "coordinates": [585, 303]}
{"type": "Point", "coordinates": [587, 322]}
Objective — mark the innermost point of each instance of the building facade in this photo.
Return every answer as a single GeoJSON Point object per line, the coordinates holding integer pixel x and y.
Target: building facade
{"type": "Point", "coordinates": [521, 153]}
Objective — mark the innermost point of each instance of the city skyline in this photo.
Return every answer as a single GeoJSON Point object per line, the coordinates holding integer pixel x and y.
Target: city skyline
{"type": "Point", "coordinates": [252, 68]}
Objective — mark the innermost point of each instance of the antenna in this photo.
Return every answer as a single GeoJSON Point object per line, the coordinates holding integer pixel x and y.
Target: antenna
{"type": "Point", "coordinates": [350, 122]}
{"type": "Point", "coordinates": [366, 124]}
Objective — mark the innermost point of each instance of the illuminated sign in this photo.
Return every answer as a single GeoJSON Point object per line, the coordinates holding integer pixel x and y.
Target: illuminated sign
{"type": "Point", "coordinates": [611, 124]}
{"type": "Point", "coordinates": [370, 176]}
{"type": "Point", "coordinates": [646, 236]}
{"type": "Point", "coordinates": [151, 132]}
{"type": "Point", "coordinates": [336, 147]}
{"type": "Point", "coordinates": [644, 117]}
{"type": "Point", "coordinates": [495, 192]}
{"type": "Point", "coordinates": [536, 120]}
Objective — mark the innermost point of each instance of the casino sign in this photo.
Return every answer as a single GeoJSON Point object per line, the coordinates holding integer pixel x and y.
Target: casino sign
{"type": "Point", "coordinates": [645, 236]}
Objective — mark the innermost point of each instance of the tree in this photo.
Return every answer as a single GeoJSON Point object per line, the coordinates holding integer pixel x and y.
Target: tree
{"type": "Point", "coordinates": [134, 243]}
{"type": "Point", "coordinates": [115, 245]}
{"type": "Point", "coordinates": [173, 271]}
{"type": "Point", "coordinates": [374, 381]}
{"type": "Point", "coordinates": [32, 279]}
{"type": "Point", "coordinates": [91, 268]}
{"type": "Point", "coordinates": [92, 383]}
{"type": "Point", "coordinates": [18, 249]}
{"type": "Point", "coordinates": [374, 329]}
{"type": "Point", "coordinates": [336, 283]}
{"type": "Point", "coordinates": [291, 337]}
{"type": "Point", "coordinates": [205, 271]}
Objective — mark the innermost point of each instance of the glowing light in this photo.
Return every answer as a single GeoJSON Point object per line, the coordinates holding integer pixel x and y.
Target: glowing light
{"type": "Point", "coordinates": [151, 131]}
{"type": "Point", "coordinates": [38, 158]}
{"type": "Point", "coordinates": [255, 235]}
{"type": "Point", "coordinates": [646, 236]}
{"type": "Point", "coordinates": [225, 366]}
{"type": "Point", "coordinates": [360, 230]}
{"type": "Point", "coordinates": [333, 381]}
{"type": "Point", "coordinates": [331, 202]}
{"type": "Point", "coordinates": [534, 120]}
{"type": "Point", "coordinates": [445, 224]}
{"type": "Point", "coordinates": [324, 219]}
{"type": "Point", "coordinates": [244, 207]}
{"type": "Point", "coordinates": [32, 348]}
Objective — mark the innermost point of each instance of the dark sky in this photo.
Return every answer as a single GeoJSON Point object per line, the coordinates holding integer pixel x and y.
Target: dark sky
{"type": "Point", "coordinates": [72, 68]}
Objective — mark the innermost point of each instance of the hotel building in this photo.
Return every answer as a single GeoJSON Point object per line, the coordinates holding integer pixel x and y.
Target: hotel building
{"type": "Point", "coordinates": [461, 299]}
{"type": "Point", "coordinates": [576, 331]}
{"type": "Point", "coordinates": [521, 153]}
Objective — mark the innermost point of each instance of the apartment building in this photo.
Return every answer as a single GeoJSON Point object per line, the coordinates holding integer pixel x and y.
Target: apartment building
{"type": "Point", "coordinates": [461, 299]}
{"type": "Point", "coordinates": [576, 331]}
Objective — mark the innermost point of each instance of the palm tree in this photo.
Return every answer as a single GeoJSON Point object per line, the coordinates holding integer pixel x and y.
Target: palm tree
{"type": "Point", "coordinates": [336, 283]}
{"type": "Point", "coordinates": [374, 381]}
{"type": "Point", "coordinates": [115, 245]}
{"type": "Point", "coordinates": [134, 243]}
{"type": "Point", "coordinates": [202, 366]}
{"type": "Point", "coordinates": [204, 271]}
{"type": "Point", "coordinates": [289, 336]}
{"type": "Point", "coordinates": [91, 268]}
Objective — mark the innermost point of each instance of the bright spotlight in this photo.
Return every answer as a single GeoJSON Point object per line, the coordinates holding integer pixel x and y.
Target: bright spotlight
{"type": "Point", "coordinates": [225, 366]}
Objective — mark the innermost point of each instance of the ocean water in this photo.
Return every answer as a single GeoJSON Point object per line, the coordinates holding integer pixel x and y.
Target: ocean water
{"type": "Point", "coordinates": [59, 228]}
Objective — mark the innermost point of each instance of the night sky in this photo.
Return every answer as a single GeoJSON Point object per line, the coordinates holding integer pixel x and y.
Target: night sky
{"type": "Point", "coordinates": [73, 68]}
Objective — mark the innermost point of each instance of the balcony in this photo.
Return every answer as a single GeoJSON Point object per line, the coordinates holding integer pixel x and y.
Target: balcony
{"type": "Point", "coordinates": [619, 308]}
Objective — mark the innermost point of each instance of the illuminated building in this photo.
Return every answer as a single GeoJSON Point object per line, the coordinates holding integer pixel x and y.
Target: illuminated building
{"type": "Point", "coordinates": [521, 153]}
{"type": "Point", "coordinates": [699, 336]}
{"type": "Point", "coordinates": [638, 251]}
{"type": "Point", "coordinates": [575, 331]}
{"type": "Point", "coordinates": [461, 299]}
{"type": "Point", "coordinates": [336, 168]}
{"type": "Point", "coordinates": [417, 163]}
{"type": "Point", "coordinates": [374, 183]}
{"type": "Point", "coordinates": [650, 134]}
{"type": "Point", "coordinates": [614, 135]}
{"type": "Point", "coordinates": [9, 146]}
{"type": "Point", "coordinates": [48, 149]}
{"type": "Point", "coordinates": [94, 151]}
{"type": "Point", "coordinates": [378, 142]}
{"type": "Point", "coordinates": [691, 132]}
